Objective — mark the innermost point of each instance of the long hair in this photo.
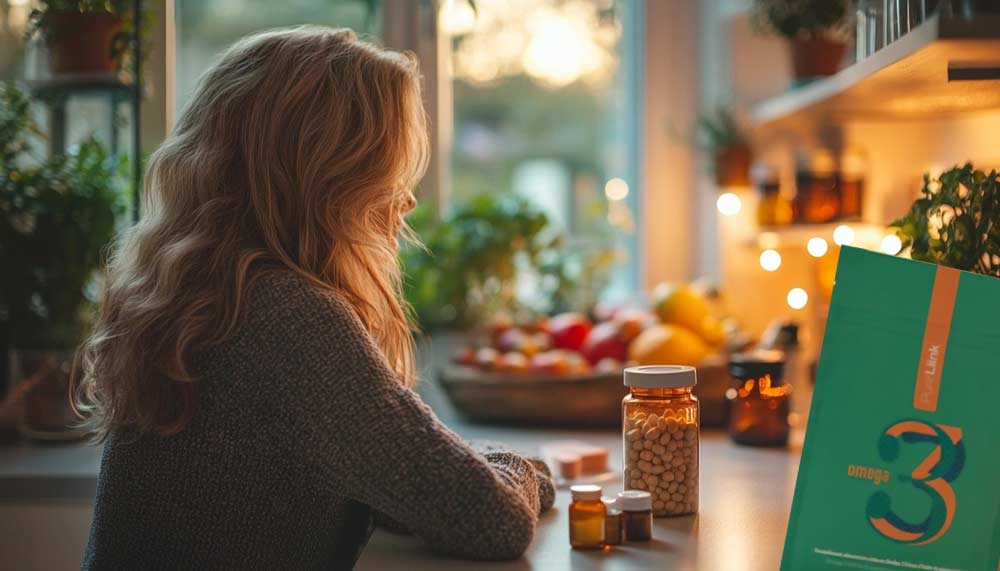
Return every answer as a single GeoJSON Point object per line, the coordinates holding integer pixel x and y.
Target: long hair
{"type": "Point", "coordinates": [298, 151]}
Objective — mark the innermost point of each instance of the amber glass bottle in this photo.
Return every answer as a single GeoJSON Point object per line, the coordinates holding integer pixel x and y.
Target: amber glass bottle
{"type": "Point", "coordinates": [586, 517]}
{"type": "Point", "coordinates": [758, 400]}
{"type": "Point", "coordinates": [660, 436]}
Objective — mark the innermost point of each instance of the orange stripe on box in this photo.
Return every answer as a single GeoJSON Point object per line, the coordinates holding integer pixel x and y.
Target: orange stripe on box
{"type": "Point", "coordinates": [925, 395]}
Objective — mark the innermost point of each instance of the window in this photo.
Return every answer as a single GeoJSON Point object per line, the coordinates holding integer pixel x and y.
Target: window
{"type": "Point", "coordinates": [545, 106]}
{"type": "Point", "coordinates": [205, 28]}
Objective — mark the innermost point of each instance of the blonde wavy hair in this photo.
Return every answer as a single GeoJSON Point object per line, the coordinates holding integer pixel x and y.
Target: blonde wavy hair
{"type": "Point", "coordinates": [298, 151]}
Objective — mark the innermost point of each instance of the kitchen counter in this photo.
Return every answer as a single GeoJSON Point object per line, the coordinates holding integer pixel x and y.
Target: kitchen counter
{"type": "Point", "coordinates": [746, 496]}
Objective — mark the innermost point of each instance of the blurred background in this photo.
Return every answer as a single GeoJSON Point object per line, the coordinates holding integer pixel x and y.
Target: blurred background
{"type": "Point", "coordinates": [613, 181]}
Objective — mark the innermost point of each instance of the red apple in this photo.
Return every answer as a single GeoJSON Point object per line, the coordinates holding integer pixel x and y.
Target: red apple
{"type": "Point", "coordinates": [569, 330]}
{"type": "Point", "coordinates": [465, 356]}
{"type": "Point", "coordinates": [605, 341]}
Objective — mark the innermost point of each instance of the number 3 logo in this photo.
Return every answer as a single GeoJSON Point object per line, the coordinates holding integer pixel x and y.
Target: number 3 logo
{"type": "Point", "coordinates": [933, 477]}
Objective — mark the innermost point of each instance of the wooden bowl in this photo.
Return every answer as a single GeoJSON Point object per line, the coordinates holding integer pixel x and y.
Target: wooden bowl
{"type": "Point", "coordinates": [589, 400]}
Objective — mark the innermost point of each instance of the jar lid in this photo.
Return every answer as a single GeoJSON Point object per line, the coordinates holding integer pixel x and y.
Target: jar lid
{"type": "Point", "coordinates": [661, 376]}
{"type": "Point", "coordinates": [610, 504]}
{"type": "Point", "coordinates": [634, 501]}
{"type": "Point", "coordinates": [586, 492]}
{"type": "Point", "coordinates": [756, 364]}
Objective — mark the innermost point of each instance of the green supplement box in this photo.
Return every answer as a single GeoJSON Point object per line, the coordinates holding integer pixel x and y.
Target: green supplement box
{"type": "Point", "coordinates": [901, 463]}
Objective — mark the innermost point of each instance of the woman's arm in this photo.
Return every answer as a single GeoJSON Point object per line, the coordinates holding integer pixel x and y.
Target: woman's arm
{"type": "Point", "coordinates": [365, 436]}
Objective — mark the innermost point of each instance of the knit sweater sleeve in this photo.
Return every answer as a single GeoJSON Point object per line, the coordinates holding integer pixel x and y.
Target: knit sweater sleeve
{"type": "Point", "coordinates": [365, 436]}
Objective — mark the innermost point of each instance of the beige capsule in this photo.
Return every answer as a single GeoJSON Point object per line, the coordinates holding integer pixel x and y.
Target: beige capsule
{"type": "Point", "coordinates": [633, 435]}
{"type": "Point", "coordinates": [644, 466]}
{"type": "Point", "coordinates": [657, 468]}
{"type": "Point", "coordinates": [652, 433]}
{"type": "Point", "coordinates": [646, 455]}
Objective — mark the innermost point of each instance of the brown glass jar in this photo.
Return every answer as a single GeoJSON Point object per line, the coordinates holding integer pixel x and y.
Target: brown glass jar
{"type": "Point", "coordinates": [759, 401]}
{"type": "Point", "coordinates": [586, 517]}
{"type": "Point", "coordinates": [660, 437]}
{"type": "Point", "coordinates": [614, 526]}
{"type": "Point", "coordinates": [637, 514]}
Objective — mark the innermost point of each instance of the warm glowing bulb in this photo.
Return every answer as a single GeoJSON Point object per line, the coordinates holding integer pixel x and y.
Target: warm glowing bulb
{"type": "Point", "coordinates": [817, 247]}
{"type": "Point", "coordinates": [616, 189]}
{"type": "Point", "coordinates": [797, 298]}
{"type": "Point", "coordinates": [770, 260]}
{"type": "Point", "coordinates": [843, 235]}
{"type": "Point", "coordinates": [891, 244]}
{"type": "Point", "coordinates": [729, 204]}
{"type": "Point", "coordinates": [456, 17]}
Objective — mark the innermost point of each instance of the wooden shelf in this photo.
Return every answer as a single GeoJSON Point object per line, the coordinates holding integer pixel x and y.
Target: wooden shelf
{"type": "Point", "coordinates": [941, 68]}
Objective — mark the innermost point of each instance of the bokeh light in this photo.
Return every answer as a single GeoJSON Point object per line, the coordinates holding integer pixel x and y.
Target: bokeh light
{"type": "Point", "coordinates": [797, 298]}
{"type": "Point", "coordinates": [729, 204]}
{"type": "Point", "coordinates": [770, 260]}
{"type": "Point", "coordinates": [843, 235]}
{"type": "Point", "coordinates": [817, 247]}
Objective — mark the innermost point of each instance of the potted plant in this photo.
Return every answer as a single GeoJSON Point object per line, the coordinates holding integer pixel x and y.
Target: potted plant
{"type": "Point", "coordinates": [56, 217]}
{"type": "Point", "coordinates": [86, 36]}
{"type": "Point", "coordinates": [814, 30]}
{"type": "Point", "coordinates": [721, 137]}
{"type": "Point", "coordinates": [956, 221]}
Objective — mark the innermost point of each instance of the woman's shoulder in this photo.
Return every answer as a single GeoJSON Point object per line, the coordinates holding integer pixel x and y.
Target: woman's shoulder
{"type": "Point", "coordinates": [287, 297]}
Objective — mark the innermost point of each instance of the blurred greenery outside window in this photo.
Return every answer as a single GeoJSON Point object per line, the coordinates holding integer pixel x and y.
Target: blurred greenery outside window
{"type": "Point", "coordinates": [546, 99]}
{"type": "Point", "coordinates": [545, 96]}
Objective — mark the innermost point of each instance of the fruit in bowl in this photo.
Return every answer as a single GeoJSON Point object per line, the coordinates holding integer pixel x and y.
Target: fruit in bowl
{"type": "Point", "coordinates": [605, 341]}
{"type": "Point", "coordinates": [668, 344]}
{"type": "Point", "coordinates": [569, 330]}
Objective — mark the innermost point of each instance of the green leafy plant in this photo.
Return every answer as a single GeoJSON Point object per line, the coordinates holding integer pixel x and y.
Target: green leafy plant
{"type": "Point", "coordinates": [56, 217]}
{"type": "Point", "coordinates": [719, 131]}
{"type": "Point", "coordinates": [956, 221]}
{"type": "Point", "coordinates": [792, 18]}
{"type": "Point", "coordinates": [482, 256]}
{"type": "Point", "coordinates": [41, 22]}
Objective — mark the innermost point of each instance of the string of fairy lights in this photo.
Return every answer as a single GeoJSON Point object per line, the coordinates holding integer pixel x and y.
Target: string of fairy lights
{"type": "Point", "coordinates": [729, 204]}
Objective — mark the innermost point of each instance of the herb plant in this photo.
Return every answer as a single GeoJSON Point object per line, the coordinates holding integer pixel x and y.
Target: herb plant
{"type": "Point", "coordinates": [56, 217]}
{"type": "Point", "coordinates": [484, 255]}
{"type": "Point", "coordinates": [956, 221]}
{"type": "Point", "coordinates": [792, 18]}
{"type": "Point", "coordinates": [718, 131]}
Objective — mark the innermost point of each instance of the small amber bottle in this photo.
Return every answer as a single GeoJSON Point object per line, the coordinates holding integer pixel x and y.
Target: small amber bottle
{"type": "Point", "coordinates": [637, 510]}
{"type": "Point", "coordinates": [586, 517]}
{"type": "Point", "coordinates": [614, 527]}
{"type": "Point", "coordinates": [759, 400]}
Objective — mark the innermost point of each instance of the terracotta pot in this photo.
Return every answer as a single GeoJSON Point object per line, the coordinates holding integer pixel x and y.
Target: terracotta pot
{"type": "Point", "coordinates": [40, 379]}
{"type": "Point", "coordinates": [732, 167]}
{"type": "Point", "coordinates": [81, 42]}
{"type": "Point", "coordinates": [816, 56]}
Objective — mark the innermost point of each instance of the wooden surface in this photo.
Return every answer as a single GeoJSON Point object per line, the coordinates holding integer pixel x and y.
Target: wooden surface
{"type": "Point", "coordinates": [906, 79]}
{"type": "Point", "coordinates": [746, 496]}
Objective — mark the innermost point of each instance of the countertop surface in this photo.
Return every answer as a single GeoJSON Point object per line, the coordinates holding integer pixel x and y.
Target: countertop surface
{"type": "Point", "coordinates": [745, 496]}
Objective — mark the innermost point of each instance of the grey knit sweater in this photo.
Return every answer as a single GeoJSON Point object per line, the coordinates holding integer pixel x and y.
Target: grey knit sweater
{"type": "Point", "coordinates": [302, 434]}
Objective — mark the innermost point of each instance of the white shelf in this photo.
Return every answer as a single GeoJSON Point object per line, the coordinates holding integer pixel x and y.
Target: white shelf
{"type": "Point", "coordinates": [926, 73]}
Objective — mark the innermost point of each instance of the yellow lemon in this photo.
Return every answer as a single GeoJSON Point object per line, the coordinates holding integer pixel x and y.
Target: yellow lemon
{"type": "Point", "coordinates": [667, 345]}
{"type": "Point", "coordinates": [680, 305]}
